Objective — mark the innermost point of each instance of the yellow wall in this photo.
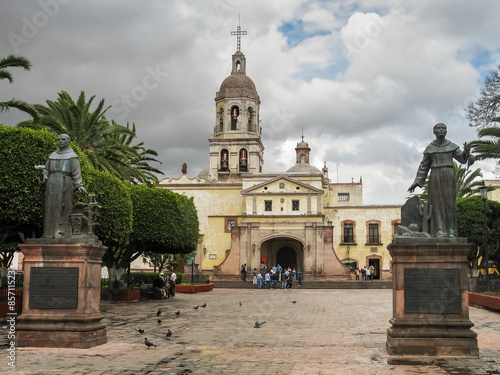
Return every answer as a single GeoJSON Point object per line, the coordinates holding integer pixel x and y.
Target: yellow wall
{"type": "Point", "coordinates": [331, 197]}
{"type": "Point", "coordinates": [214, 204]}
{"type": "Point", "coordinates": [361, 215]}
{"type": "Point", "coordinates": [495, 194]}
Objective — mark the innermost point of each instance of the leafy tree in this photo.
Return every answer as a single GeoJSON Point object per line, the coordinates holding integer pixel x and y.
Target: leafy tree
{"type": "Point", "coordinates": [12, 61]}
{"type": "Point", "coordinates": [20, 194]}
{"type": "Point", "coordinates": [115, 214]}
{"type": "Point", "coordinates": [486, 110]}
{"type": "Point", "coordinates": [105, 143]}
{"type": "Point", "coordinates": [21, 197]}
{"type": "Point", "coordinates": [163, 223]}
{"type": "Point", "coordinates": [485, 114]}
{"type": "Point", "coordinates": [470, 222]}
{"type": "Point", "coordinates": [163, 261]}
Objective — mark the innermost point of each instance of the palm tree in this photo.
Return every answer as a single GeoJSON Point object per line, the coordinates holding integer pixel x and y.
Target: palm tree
{"type": "Point", "coordinates": [467, 182]}
{"type": "Point", "coordinates": [488, 148]}
{"type": "Point", "coordinates": [140, 170]}
{"type": "Point", "coordinates": [12, 61]}
{"type": "Point", "coordinates": [102, 141]}
{"type": "Point", "coordinates": [136, 168]}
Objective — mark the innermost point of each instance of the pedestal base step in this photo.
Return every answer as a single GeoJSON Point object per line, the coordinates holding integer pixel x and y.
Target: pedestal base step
{"type": "Point", "coordinates": [58, 339]}
{"type": "Point", "coordinates": [432, 346]}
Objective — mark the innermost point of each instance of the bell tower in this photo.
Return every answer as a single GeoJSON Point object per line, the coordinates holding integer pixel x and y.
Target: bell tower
{"type": "Point", "coordinates": [235, 146]}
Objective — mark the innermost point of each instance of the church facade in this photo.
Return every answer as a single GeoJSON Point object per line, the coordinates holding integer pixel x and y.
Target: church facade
{"type": "Point", "coordinates": [296, 218]}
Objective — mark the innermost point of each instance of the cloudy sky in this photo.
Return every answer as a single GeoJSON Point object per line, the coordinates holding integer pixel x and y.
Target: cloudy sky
{"type": "Point", "coordinates": [365, 79]}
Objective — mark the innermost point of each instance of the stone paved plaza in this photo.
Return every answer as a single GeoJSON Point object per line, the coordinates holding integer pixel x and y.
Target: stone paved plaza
{"type": "Point", "coordinates": [325, 332]}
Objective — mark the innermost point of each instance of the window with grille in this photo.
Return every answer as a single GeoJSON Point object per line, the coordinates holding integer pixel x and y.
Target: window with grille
{"type": "Point", "coordinates": [373, 236]}
{"type": "Point", "coordinates": [268, 205]}
{"type": "Point", "coordinates": [343, 197]}
{"type": "Point", "coordinates": [295, 205]}
{"type": "Point", "coordinates": [348, 233]}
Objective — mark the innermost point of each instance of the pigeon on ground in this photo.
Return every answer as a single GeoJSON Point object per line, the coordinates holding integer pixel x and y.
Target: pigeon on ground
{"type": "Point", "coordinates": [178, 312]}
{"type": "Point", "coordinates": [294, 301]}
{"type": "Point", "coordinates": [158, 312]}
{"type": "Point", "coordinates": [196, 307]}
{"type": "Point", "coordinates": [141, 331]}
{"type": "Point", "coordinates": [241, 304]}
{"type": "Point", "coordinates": [169, 333]}
{"type": "Point", "coordinates": [258, 324]}
{"type": "Point", "coordinates": [204, 305]}
{"type": "Point", "coordinates": [148, 343]}
{"type": "Point", "coordinates": [159, 321]}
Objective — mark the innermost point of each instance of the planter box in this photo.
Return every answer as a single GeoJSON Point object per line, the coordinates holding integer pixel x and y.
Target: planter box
{"type": "Point", "coordinates": [4, 307]}
{"type": "Point", "coordinates": [194, 288]}
{"type": "Point", "coordinates": [484, 300]}
{"type": "Point", "coordinates": [125, 295]}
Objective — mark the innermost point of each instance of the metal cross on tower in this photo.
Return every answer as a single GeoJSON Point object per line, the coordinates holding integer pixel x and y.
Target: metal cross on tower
{"type": "Point", "coordinates": [238, 34]}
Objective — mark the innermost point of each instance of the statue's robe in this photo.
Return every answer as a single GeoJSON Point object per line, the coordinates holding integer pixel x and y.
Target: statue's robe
{"type": "Point", "coordinates": [63, 175]}
{"type": "Point", "coordinates": [441, 189]}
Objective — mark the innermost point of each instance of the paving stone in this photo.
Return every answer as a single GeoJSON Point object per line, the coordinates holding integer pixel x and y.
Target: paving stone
{"type": "Point", "coordinates": [325, 332]}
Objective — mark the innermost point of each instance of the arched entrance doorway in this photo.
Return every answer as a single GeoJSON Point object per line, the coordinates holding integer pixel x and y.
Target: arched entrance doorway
{"type": "Point", "coordinates": [286, 257]}
{"type": "Point", "coordinates": [287, 252]}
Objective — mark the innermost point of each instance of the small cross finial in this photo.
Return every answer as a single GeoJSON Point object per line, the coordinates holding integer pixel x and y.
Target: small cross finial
{"type": "Point", "coordinates": [238, 34]}
{"type": "Point", "coordinates": [302, 134]}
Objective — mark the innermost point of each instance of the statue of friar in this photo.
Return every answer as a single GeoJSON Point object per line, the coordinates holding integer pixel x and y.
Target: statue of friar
{"type": "Point", "coordinates": [441, 189]}
{"type": "Point", "coordinates": [62, 175]}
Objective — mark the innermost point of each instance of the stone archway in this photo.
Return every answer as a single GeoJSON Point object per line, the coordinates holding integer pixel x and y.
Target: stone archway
{"type": "Point", "coordinates": [287, 252]}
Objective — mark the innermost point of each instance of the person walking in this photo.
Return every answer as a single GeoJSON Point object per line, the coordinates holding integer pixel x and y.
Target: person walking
{"type": "Point", "coordinates": [244, 272]}
{"type": "Point", "coordinates": [300, 276]}
{"type": "Point", "coordinates": [259, 280]}
{"type": "Point", "coordinates": [274, 280]}
{"type": "Point", "coordinates": [372, 271]}
{"type": "Point", "coordinates": [173, 281]}
{"type": "Point", "coordinates": [289, 281]}
{"type": "Point", "coordinates": [357, 272]}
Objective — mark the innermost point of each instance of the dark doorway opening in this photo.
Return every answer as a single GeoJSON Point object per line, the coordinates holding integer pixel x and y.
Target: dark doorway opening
{"type": "Point", "coordinates": [286, 257]}
{"type": "Point", "coordinates": [376, 265]}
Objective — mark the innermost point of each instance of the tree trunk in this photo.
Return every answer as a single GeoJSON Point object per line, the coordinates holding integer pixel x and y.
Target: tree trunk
{"type": "Point", "coordinates": [114, 283]}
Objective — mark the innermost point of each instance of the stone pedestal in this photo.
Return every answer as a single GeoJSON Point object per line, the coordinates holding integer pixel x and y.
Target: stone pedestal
{"type": "Point", "coordinates": [61, 296]}
{"type": "Point", "coordinates": [430, 298]}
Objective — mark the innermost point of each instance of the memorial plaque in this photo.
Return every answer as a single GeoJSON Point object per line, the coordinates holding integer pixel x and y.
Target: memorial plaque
{"type": "Point", "coordinates": [53, 288]}
{"type": "Point", "coordinates": [432, 291]}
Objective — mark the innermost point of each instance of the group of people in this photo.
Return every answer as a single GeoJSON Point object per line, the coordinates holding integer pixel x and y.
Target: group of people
{"type": "Point", "coordinates": [166, 285]}
{"type": "Point", "coordinates": [276, 275]}
{"type": "Point", "coordinates": [366, 273]}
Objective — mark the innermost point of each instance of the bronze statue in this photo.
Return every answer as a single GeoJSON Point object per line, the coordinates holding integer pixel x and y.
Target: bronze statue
{"type": "Point", "coordinates": [441, 190]}
{"type": "Point", "coordinates": [184, 168]}
{"type": "Point", "coordinates": [61, 175]}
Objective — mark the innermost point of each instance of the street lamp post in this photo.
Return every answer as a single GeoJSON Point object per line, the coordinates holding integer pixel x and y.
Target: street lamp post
{"type": "Point", "coordinates": [484, 196]}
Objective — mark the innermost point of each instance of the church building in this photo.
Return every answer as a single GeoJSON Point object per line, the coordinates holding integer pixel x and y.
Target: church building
{"type": "Point", "coordinates": [296, 218]}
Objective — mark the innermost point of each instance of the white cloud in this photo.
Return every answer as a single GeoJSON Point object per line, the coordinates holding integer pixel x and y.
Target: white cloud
{"type": "Point", "coordinates": [366, 86]}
